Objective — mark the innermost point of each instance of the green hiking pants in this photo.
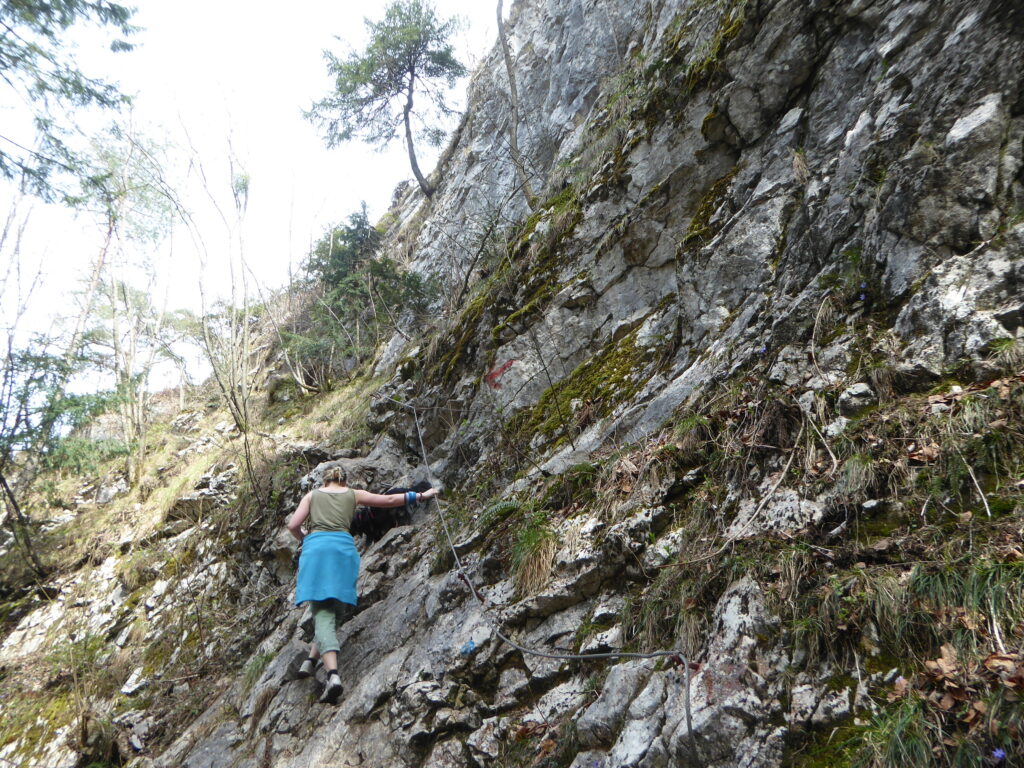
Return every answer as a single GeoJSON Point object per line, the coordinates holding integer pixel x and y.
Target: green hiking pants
{"type": "Point", "coordinates": [327, 615]}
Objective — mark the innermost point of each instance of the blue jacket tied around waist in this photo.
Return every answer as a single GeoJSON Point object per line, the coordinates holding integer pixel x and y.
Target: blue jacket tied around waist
{"type": "Point", "coordinates": [328, 567]}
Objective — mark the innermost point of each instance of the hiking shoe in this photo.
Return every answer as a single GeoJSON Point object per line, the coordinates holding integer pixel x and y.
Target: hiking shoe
{"type": "Point", "coordinates": [332, 691]}
{"type": "Point", "coordinates": [306, 669]}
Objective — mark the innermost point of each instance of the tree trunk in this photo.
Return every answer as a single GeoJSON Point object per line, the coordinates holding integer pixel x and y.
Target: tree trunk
{"type": "Point", "coordinates": [513, 129]}
{"type": "Point", "coordinates": [27, 472]}
{"type": "Point", "coordinates": [408, 140]}
{"type": "Point", "coordinates": [18, 522]}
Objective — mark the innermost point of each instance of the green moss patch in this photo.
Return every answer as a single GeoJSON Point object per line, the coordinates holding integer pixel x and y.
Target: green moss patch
{"type": "Point", "coordinates": [588, 394]}
{"type": "Point", "coordinates": [523, 283]}
{"type": "Point", "coordinates": [701, 231]}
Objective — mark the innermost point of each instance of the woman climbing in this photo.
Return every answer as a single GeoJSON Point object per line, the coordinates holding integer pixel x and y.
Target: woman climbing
{"type": "Point", "coordinates": [329, 563]}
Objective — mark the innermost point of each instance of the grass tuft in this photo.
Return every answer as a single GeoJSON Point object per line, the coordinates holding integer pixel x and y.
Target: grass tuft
{"type": "Point", "coordinates": [533, 554]}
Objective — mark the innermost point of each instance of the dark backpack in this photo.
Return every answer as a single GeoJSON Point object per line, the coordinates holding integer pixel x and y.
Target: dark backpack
{"type": "Point", "coordinates": [374, 522]}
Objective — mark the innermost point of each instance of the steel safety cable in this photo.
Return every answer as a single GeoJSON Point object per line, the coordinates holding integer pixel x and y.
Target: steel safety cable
{"type": "Point", "coordinates": [679, 655]}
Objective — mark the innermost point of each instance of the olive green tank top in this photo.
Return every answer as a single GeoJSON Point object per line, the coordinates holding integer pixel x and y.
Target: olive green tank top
{"type": "Point", "coordinates": [331, 511]}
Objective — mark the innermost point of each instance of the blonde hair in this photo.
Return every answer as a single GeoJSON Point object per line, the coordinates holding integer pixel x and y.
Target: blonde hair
{"type": "Point", "coordinates": [335, 474]}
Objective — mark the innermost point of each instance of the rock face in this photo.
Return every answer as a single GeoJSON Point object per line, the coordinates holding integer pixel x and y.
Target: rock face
{"type": "Point", "coordinates": [818, 160]}
{"type": "Point", "coordinates": [725, 180]}
{"type": "Point", "coordinates": [821, 195]}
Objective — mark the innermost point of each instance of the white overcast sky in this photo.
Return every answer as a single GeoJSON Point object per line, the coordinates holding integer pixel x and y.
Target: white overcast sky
{"type": "Point", "coordinates": [238, 72]}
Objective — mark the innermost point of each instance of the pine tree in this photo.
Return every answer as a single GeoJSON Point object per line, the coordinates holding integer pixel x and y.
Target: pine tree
{"type": "Point", "coordinates": [408, 55]}
{"type": "Point", "coordinates": [36, 70]}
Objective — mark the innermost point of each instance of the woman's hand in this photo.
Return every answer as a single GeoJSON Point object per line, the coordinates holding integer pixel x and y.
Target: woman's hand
{"type": "Point", "coordinates": [429, 494]}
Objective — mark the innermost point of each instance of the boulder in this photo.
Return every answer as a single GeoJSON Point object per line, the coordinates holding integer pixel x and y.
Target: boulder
{"type": "Point", "coordinates": [856, 399]}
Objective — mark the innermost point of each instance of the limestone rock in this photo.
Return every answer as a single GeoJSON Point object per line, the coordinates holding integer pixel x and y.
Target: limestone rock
{"type": "Point", "coordinates": [829, 197]}
{"type": "Point", "coordinates": [785, 510]}
{"type": "Point", "coordinates": [512, 684]}
{"type": "Point", "coordinates": [600, 722]}
{"type": "Point", "coordinates": [284, 551]}
{"type": "Point", "coordinates": [136, 682]}
{"type": "Point", "coordinates": [107, 493]}
{"type": "Point", "coordinates": [485, 742]}
{"type": "Point", "coordinates": [855, 399]}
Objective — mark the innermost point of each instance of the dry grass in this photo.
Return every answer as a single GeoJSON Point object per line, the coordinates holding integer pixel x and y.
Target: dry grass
{"type": "Point", "coordinates": [901, 476]}
{"type": "Point", "coordinates": [1008, 353]}
{"type": "Point", "coordinates": [801, 172]}
{"type": "Point", "coordinates": [857, 476]}
{"type": "Point", "coordinates": [533, 555]}
{"type": "Point", "coordinates": [573, 538]}
{"type": "Point", "coordinates": [140, 567]}
{"type": "Point", "coordinates": [532, 571]}
{"type": "Point", "coordinates": [161, 501]}
{"type": "Point", "coordinates": [339, 416]}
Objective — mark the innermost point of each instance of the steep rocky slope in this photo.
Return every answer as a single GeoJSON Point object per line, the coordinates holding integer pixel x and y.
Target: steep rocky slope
{"type": "Point", "coordinates": [744, 386]}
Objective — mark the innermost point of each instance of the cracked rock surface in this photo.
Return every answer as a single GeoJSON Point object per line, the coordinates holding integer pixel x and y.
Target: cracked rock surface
{"type": "Point", "coordinates": [781, 162]}
{"type": "Point", "coordinates": [846, 156]}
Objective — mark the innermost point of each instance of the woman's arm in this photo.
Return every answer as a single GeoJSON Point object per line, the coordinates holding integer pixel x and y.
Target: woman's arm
{"type": "Point", "coordinates": [367, 499]}
{"type": "Point", "coordinates": [297, 519]}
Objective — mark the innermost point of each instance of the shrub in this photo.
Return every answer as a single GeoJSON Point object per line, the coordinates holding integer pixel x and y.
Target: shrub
{"type": "Point", "coordinates": [81, 455]}
{"type": "Point", "coordinates": [356, 300]}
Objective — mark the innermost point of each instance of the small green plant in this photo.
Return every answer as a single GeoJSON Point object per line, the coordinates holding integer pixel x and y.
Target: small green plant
{"type": "Point", "coordinates": [810, 635]}
{"type": "Point", "coordinates": [254, 669]}
{"type": "Point", "coordinates": [574, 487]}
{"type": "Point", "coordinates": [877, 177]}
{"type": "Point", "coordinates": [1008, 353]}
{"type": "Point", "coordinates": [443, 559]}
{"type": "Point", "coordinates": [498, 511]}
{"type": "Point", "coordinates": [81, 658]}
{"type": "Point", "coordinates": [898, 735]}
{"type": "Point", "coordinates": [691, 433]}
{"type": "Point", "coordinates": [852, 281]}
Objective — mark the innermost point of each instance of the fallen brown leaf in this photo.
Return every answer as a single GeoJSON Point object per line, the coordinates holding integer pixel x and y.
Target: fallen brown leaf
{"type": "Point", "coordinates": [1001, 663]}
{"type": "Point", "coordinates": [966, 620]}
{"type": "Point", "coordinates": [947, 661]}
{"type": "Point", "coordinates": [900, 689]}
{"type": "Point", "coordinates": [926, 453]}
{"type": "Point", "coordinates": [993, 727]}
{"type": "Point", "coordinates": [546, 748]}
{"type": "Point", "coordinates": [628, 466]}
{"type": "Point", "coordinates": [1013, 555]}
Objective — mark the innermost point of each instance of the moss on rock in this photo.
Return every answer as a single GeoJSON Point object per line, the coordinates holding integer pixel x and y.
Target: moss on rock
{"type": "Point", "coordinates": [701, 229]}
{"type": "Point", "coordinates": [589, 393]}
